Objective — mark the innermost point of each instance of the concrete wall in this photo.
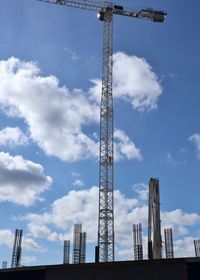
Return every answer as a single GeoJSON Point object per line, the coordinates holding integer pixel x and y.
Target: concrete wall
{"type": "Point", "coordinates": [29, 274]}
{"type": "Point", "coordinates": [177, 269]}
{"type": "Point", "coordinates": [122, 271]}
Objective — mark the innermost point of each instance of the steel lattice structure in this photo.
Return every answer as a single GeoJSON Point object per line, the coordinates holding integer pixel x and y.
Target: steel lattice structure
{"type": "Point", "coordinates": [106, 215]}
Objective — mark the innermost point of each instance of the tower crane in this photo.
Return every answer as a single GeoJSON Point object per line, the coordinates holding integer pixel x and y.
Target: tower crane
{"type": "Point", "coordinates": [105, 11]}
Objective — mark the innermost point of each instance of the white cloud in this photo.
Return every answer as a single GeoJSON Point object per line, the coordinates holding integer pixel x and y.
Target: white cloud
{"type": "Point", "coordinates": [78, 183]}
{"type": "Point", "coordinates": [178, 217]}
{"type": "Point", "coordinates": [81, 206]}
{"type": "Point", "coordinates": [54, 115]}
{"type": "Point", "coordinates": [57, 117]}
{"type": "Point", "coordinates": [76, 207]}
{"type": "Point", "coordinates": [180, 231]}
{"type": "Point", "coordinates": [21, 181]}
{"type": "Point", "coordinates": [133, 81]}
{"type": "Point", "coordinates": [12, 136]}
{"type": "Point", "coordinates": [39, 230]}
{"type": "Point", "coordinates": [42, 231]}
{"type": "Point", "coordinates": [126, 254]}
{"type": "Point", "coordinates": [195, 138]}
{"type": "Point", "coordinates": [124, 147]}
{"type": "Point", "coordinates": [184, 247]}
{"type": "Point", "coordinates": [6, 237]}
{"type": "Point", "coordinates": [142, 191]}
{"type": "Point", "coordinates": [28, 244]}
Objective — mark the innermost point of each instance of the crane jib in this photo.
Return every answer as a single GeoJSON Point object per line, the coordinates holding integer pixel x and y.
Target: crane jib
{"type": "Point", "coordinates": [150, 14]}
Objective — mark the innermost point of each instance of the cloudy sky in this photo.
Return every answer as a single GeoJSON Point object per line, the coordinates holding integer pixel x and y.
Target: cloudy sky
{"type": "Point", "coordinates": [50, 87]}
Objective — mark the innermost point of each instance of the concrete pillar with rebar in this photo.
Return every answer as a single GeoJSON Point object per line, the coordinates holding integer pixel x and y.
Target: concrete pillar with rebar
{"type": "Point", "coordinates": [169, 250]}
{"type": "Point", "coordinates": [137, 242]}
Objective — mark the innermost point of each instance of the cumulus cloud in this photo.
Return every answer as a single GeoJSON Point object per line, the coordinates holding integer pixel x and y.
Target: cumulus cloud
{"type": "Point", "coordinates": [81, 206]}
{"type": "Point", "coordinates": [134, 81]}
{"type": "Point", "coordinates": [184, 247]}
{"type": "Point", "coordinates": [142, 191]}
{"type": "Point", "coordinates": [75, 207]}
{"type": "Point", "coordinates": [21, 181]}
{"type": "Point", "coordinates": [7, 238]}
{"type": "Point", "coordinates": [57, 117]}
{"type": "Point", "coordinates": [179, 217]}
{"type": "Point", "coordinates": [140, 86]}
{"type": "Point", "coordinates": [124, 147]}
{"type": "Point", "coordinates": [54, 115]}
{"type": "Point", "coordinates": [42, 231]}
{"type": "Point", "coordinates": [195, 138]}
{"type": "Point", "coordinates": [12, 137]}
{"type": "Point", "coordinates": [30, 244]}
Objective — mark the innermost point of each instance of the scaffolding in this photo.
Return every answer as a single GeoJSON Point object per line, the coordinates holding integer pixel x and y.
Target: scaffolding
{"type": "Point", "coordinates": [66, 251]}
{"type": "Point", "coordinates": [137, 242]}
{"type": "Point", "coordinates": [169, 250]}
{"type": "Point", "coordinates": [16, 256]}
{"type": "Point", "coordinates": [154, 228]}
{"type": "Point", "coordinates": [197, 248]}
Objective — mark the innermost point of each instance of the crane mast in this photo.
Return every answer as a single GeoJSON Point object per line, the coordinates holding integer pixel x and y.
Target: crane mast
{"type": "Point", "coordinates": [106, 157]}
{"type": "Point", "coordinates": [106, 215]}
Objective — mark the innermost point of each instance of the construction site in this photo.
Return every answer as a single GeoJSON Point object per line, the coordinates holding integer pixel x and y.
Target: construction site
{"type": "Point", "coordinates": [160, 262]}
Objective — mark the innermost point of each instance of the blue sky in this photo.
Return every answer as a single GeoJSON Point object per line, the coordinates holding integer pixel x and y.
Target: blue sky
{"type": "Point", "coordinates": [50, 71]}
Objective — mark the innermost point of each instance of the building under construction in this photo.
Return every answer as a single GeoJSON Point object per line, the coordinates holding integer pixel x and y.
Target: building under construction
{"type": "Point", "coordinates": [155, 268]}
{"type": "Point", "coordinates": [165, 269]}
